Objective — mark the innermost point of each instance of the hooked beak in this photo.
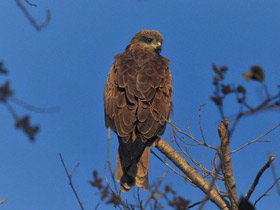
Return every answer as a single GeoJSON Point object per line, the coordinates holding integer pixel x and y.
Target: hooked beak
{"type": "Point", "coordinates": [157, 47]}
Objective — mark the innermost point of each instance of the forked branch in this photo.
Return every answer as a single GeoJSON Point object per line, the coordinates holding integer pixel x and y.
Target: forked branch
{"type": "Point", "coordinates": [29, 17]}
{"type": "Point", "coordinates": [70, 180]}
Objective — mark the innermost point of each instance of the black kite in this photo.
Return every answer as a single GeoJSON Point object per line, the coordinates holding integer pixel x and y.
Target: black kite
{"type": "Point", "coordinates": [137, 99]}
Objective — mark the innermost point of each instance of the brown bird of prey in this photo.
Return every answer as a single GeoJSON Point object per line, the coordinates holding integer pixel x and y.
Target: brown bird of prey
{"type": "Point", "coordinates": [137, 99]}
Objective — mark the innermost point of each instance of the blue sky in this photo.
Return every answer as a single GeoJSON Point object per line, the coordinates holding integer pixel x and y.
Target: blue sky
{"type": "Point", "coordinates": [66, 65]}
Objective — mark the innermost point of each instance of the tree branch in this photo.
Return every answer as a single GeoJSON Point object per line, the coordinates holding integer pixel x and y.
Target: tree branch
{"type": "Point", "coordinates": [257, 139]}
{"type": "Point", "coordinates": [31, 4]}
{"type": "Point", "coordinates": [256, 181]}
{"type": "Point", "coordinates": [193, 175]}
{"type": "Point", "coordinates": [70, 180]}
{"type": "Point", "coordinates": [117, 192]}
{"type": "Point", "coordinates": [29, 17]}
{"type": "Point", "coordinates": [265, 193]}
{"type": "Point", "coordinates": [226, 163]}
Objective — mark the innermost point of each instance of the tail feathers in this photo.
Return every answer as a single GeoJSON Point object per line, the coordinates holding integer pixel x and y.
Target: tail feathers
{"type": "Point", "coordinates": [119, 171]}
{"type": "Point", "coordinates": [127, 179]}
{"type": "Point", "coordinates": [136, 174]}
{"type": "Point", "coordinates": [143, 169]}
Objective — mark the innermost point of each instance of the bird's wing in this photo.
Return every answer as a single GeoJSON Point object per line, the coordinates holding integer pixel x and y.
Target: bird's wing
{"type": "Point", "coordinates": [119, 98]}
{"type": "Point", "coordinates": [154, 85]}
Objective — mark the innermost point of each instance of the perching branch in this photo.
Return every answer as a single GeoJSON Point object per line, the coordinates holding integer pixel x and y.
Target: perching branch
{"type": "Point", "coordinates": [193, 175]}
{"type": "Point", "coordinates": [70, 180]}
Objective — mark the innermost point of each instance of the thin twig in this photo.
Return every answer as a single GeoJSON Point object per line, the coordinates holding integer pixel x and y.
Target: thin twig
{"type": "Point", "coordinates": [195, 204]}
{"type": "Point", "coordinates": [266, 91]}
{"type": "Point", "coordinates": [107, 181]}
{"type": "Point", "coordinates": [29, 17]}
{"type": "Point", "coordinates": [206, 197]}
{"type": "Point", "coordinates": [256, 180]}
{"type": "Point", "coordinates": [11, 110]}
{"type": "Point", "coordinates": [202, 161]}
{"type": "Point", "coordinates": [189, 171]}
{"type": "Point", "coordinates": [200, 123]}
{"type": "Point", "coordinates": [191, 137]}
{"type": "Point", "coordinates": [109, 162]}
{"type": "Point", "coordinates": [155, 191]}
{"type": "Point", "coordinates": [261, 107]}
{"type": "Point", "coordinates": [235, 123]}
{"type": "Point", "coordinates": [202, 168]}
{"type": "Point", "coordinates": [111, 171]}
{"type": "Point", "coordinates": [165, 163]}
{"type": "Point", "coordinates": [33, 108]}
{"type": "Point", "coordinates": [97, 205]}
{"type": "Point", "coordinates": [139, 200]}
{"type": "Point", "coordinates": [31, 4]}
{"type": "Point", "coordinates": [273, 170]}
{"type": "Point", "coordinates": [257, 139]}
{"type": "Point", "coordinates": [265, 193]}
{"type": "Point", "coordinates": [70, 180]}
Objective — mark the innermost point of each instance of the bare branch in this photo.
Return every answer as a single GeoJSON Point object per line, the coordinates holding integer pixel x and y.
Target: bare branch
{"type": "Point", "coordinates": [155, 191]}
{"type": "Point", "coordinates": [33, 108]}
{"type": "Point", "coordinates": [107, 180]}
{"type": "Point", "coordinates": [29, 17]}
{"type": "Point", "coordinates": [266, 91]}
{"type": "Point", "coordinates": [226, 163]}
{"type": "Point", "coordinates": [201, 167]}
{"type": "Point", "coordinates": [200, 124]}
{"type": "Point", "coordinates": [192, 138]}
{"type": "Point", "coordinates": [139, 200]}
{"type": "Point", "coordinates": [257, 139]}
{"type": "Point", "coordinates": [165, 163]}
{"type": "Point", "coordinates": [256, 181]}
{"type": "Point", "coordinates": [265, 193]}
{"type": "Point", "coordinates": [23, 123]}
{"type": "Point", "coordinates": [214, 181]}
{"type": "Point", "coordinates": [109, 162]}
{"type": "Point", "coordinates": [70, 180]}
{"type": "Point", "coordinates": [117, 192]}
{"type": "Point", "coordinates": [195, 204]}
{"type": "Point", "coordinates": [273, 170]}
{"type": "Point", "coordinates": [265, 105]}
{"type": "Point", "coordinates": [12, 111]}
{"type": "Point", "coordinates": [193, 175]}
{"type": "Point", "coordinates": [31, 4]}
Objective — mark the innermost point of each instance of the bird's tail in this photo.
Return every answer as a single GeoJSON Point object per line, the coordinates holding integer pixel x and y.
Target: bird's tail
{"type": "Point", "coordinates": [136, 172]}
{"type": "Point", "coordinates": [143, 169]}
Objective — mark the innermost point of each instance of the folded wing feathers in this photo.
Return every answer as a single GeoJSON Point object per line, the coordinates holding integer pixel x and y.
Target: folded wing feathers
{"type": "Point", "coordinates": [138, 95]}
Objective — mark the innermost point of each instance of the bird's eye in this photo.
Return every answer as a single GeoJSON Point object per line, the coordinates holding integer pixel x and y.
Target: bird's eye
{"type": "Point", "coordinates": [149, 40]}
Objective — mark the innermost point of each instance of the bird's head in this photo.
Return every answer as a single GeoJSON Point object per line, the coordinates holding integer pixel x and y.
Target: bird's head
{"type": "Point", "coordinates": [148, 39]}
